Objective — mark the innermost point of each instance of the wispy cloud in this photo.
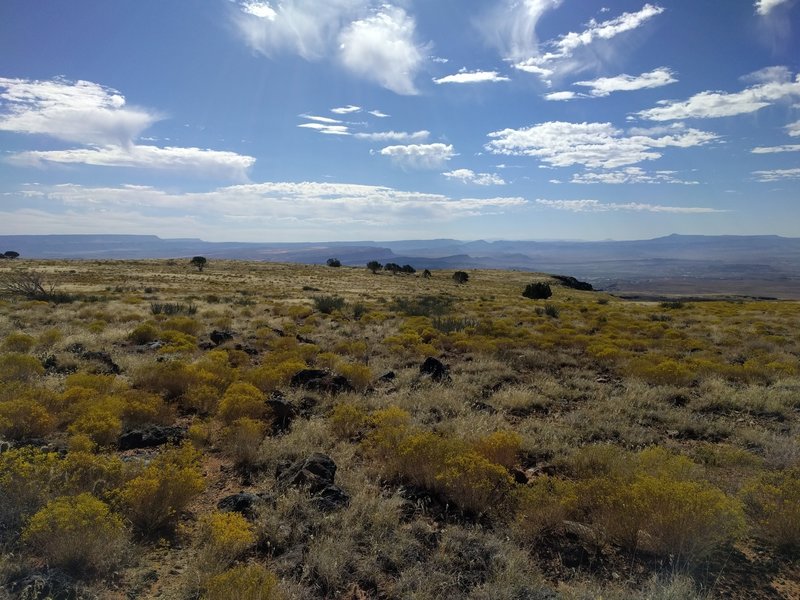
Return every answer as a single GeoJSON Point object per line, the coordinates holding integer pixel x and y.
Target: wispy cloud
{"type": "Point", "coordinates": [710, 104]}
{"type": "Point", "coordinates": [346, 110]}
{"type": "Point", "coordinates": [511, 26]}
{"type": "Point", "coordinates": [326, 129]}
{"type": "Point", "coordinates": [248, 211]}
{"type": "Point", "coordinates": [593, 145]}
{"type": "Point", "coordinates": [777, 174]}
{"type": "Point", "coordinates": [464, 76]}
{"type": "Point", "coordinates": [629, 175]}
{"type": "Point", "coordinates": [776, 149]}
{"type": "Point", "coordinates": [559, 51]}
{"type": "Point", "coordinates": [603, 86]}
{"type": "Point", "coordinates": [374, 41]}
{"type": "Point", "coordinates": [378, 113]}
{"type": "Point", "coordinates": [420, 156]}
{"type": "Point", "coordinates": [597, 206]}
{"type": "Point", "coordinates": [394, 136]}
{"type": "Point", "coordinates": [764, 7]}
{"type": "Point", "coordinates": [793, 129]}
{"type": "Point", "coordinates": [471, 177]}
{"type": "Point", "coordinates": [210, 163]}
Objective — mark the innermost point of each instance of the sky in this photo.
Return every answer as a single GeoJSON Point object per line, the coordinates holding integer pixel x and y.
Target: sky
{"type": "Point", "coordinates": [342, 120]}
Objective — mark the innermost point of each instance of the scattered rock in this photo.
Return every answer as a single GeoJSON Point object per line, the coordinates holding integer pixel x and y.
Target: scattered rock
{"type": "Point", "coordinates": [304, 340]}
{"type": "Point", "coordinates": [481, 406]}
{"type": "Point", "coordinates": [150, 437]}
{"type": "Point", "coordinates": [317, 472]}
{"type": "Point", "coordinates": [51, 365]}
{"type": "Point", "coordinates": [519, 476]}
{"type": "Point", "coordinates": [220, 337]}
{"type": "Point", "coordinates": [318, 380]}
{"type": "Point", "coordinates": [249, 350]}
{"type": "Point", "coordinates": [282, 411]}
{"type": "Point", "coordinates": [52, 585]}
{"type": "Point", "coordinates": [243, 503]}
{"type": "Point", "coordinates": [5, 446]}
{"type": "Point", "coordinates": [435, 369]}
{"type": "Point", "coordinates": [103, 358]}
{"type": "Point", "coordinates": [388, 376]}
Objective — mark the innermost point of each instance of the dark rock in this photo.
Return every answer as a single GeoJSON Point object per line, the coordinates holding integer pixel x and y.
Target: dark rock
{"type": "Point", "coordinates": [435, 369]}
{"type": "Point", "coordinates": [105, 359]}
{"type": "Point", "coordinates": [243, 503]}
{"type": "Point", "coordinates": [573, 283]}
{"type": "Point", "coordinates": [304, 340]}
{"type": "Point", "coordinates": [52, 585]}
{"type": "Point", "coordinates": [220, 337]}
{"type": "Point", "coordinates": [331, 497]}
{"type": "Point", "coordinates": [5, 446]}
{"type": "Point", "coordinates": [519, 476]}
{"type": "Point", "coordinates": [150, 437]}
{"type": "Point", "coordinates": [51, 365]}
{"type": "Point", "coordinates": [206, 345]}
{"type": "Point", "coordinates": [317, 380]}
{"type": "Point", "coordinates": [388, 376]}
{"type": "Point", "coordinates": [283, 413]}
{"type": "Point", "coordinates": [317, 473]}
{"type": "Point", "coordinates": [249, 350]}
{"type": "Point", "coordinates": [307, 406]}
{"type": "Point", "coordinates": [481, 406]}
{"type": "Point", "coordinates": [76, 348]}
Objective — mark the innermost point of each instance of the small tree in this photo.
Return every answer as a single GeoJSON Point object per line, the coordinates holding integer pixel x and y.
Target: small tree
{"type": "Point", "coordinates": [537, 291]}
{"type": "Point", "coordinates": [461, 277]}
{"type": "Point", "coordinates": [199, 262]}
{"type": "Point", "coordinates": [374, 266]}
{"type": "Point", "coordinates": [427, 274]}
{"type": "Point", "coordinates": [334, 262]}
{"type": "Point", "coordinates": [10, 254]}
{"type": "Point", "coordinates": [393, 267]}
{"type": "Point", "coordinates": [408, 269]}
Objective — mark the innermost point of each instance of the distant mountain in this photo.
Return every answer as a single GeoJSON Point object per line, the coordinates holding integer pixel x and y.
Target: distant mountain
{"type": "Point", "coordinates": [739, 261]}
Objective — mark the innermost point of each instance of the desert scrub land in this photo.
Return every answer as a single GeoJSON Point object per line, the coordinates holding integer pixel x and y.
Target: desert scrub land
{"type": "Point", "coordinates": [256, 430]}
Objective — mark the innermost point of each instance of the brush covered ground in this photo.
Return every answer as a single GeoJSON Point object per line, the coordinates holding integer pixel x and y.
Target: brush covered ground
{"type": "Point", "coordinates": [163, 436]}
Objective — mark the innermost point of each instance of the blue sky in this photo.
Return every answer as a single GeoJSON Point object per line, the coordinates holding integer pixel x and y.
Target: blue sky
{"type": "Point", "coordinates": [314, 120]}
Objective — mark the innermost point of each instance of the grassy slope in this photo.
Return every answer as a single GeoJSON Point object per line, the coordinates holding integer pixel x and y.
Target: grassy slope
{"type": "Point", "coordinates": [715, 382]}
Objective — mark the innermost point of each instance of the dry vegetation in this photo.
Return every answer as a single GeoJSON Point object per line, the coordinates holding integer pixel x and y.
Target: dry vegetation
{"type": "Point", "coordinates": [578, 447]}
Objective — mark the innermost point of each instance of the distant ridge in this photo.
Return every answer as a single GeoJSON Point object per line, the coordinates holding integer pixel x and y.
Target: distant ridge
{"type": "Point", "coordinates": [750, 260]}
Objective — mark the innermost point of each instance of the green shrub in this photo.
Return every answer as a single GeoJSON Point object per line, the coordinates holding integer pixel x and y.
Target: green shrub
{"type": "Point", "coordinates": [245, 582]}
{"type": "Point", "coordinates": [155, 498]}
{"type": "Point", "coordinates": [537, 291]}
{"type": "Point", "coordinates": [242, 440]}
{"type": "Point", "coordinates": [327, 304]}
{"type": "Point", "coordinates": [144, 334]}
{"type": "Point", "coordinates": [551, 310]}
{"type": "Point", "coordinates": [79, 534]}
{"type": "Point", "coordinates": [242, 399]}
{"type": "Point", "coordinates": [27, 476]}
{"type": "Point", "coordinates": [772, 500]}
{"type": "Point", "coordinates": [18, 342]}
{"type": "Point", "coordinates": [25, 418]}
{"type": "Point", "coordinates": [15, 366]}
{"type": "Point", "coordinates": [423, 306]}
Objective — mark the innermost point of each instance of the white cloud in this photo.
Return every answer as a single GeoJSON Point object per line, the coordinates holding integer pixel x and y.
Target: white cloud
{"type": "Point", "coordinates": [99, 118]}
{"type": "Point", "coordinates": [394, 136]}
{"type": "Point", "coordinates": [764, 7]}
{"type": "Point", "coordinates": [469, 176]}
{"type": "Point", "coordinates": [774, 74]}
{"type": "Point", "coordinates": [205, 162]}
{"type": "Point", "coordinates": [381, 47]}
{"type": "Point", "coordinates": [346, 110]}
{"type": "Point", "coordinates": [420, 156]}
{"type": "Point", "coordinates": [326, 129]}
{"type": "Point", "coordinates": [79, 111]}
{"type": "Point", "coordinates": [262, 10]}
{"type": "Point", "coordinates": [793, 129]}
{"type": "Point", "coordinates": [629, 175]}
{"type": "Point", "coordinates": [560, 50]}
{"type": "Point", "coordinates": [709, 104]}
{"type": "Point", "coordinates": [560, 96]}
{"type": "Point", "coordinates": [597, 206]}
{"type": "Point", "coordinates": [308, 28]}
{"type": "Point", "coordinates": [319, 119]}
{"type": "Point", "coordinates": [464, 76]}
{"type": "Point", "coordinates": [603, 86]}
{"type": "Point", "coordinates": [373, 40]}
{"type": "Point", "coordinates": [593, 145]}
{"type": "Point", "coordinates": [284, 210]}
{"type": "Point", "coordinates": [777, 174]}
{"type": "Point", "coordinates": [776, 149]}
{"type": "Point", "coordinates": [378, 113]}
{"type": "Point", "coordinates": [511, 26]}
